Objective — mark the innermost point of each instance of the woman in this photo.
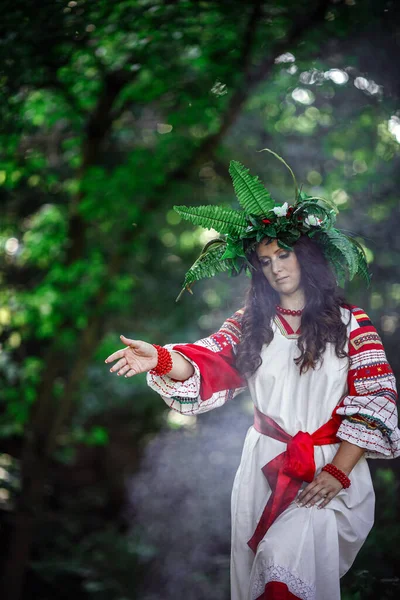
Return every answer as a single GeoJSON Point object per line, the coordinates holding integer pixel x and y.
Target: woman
{"type": "Point", "coordinates": [324, 397]}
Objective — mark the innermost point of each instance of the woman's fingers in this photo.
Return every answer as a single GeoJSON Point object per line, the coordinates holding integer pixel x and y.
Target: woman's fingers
{"type": "Point", "coordinates": [320, 495]}
{"type": "Point", "coordinates": [120, 353]}
{"type": "Point", "coordinates": [310, 497]}
{"type": "Point", "coordinates": [122, 367]}
{"type": "Point", "coordinates": [327, 499]}
{"type": "Point", "coordinates": [306, 493]}
{"type": "Point", "coordinates": [140, 355]}
{"type": "Point", "coordinates": [116, 355]}
{"type": "Point", "coordinates": [127, 341]}
{"type": "Point", "coordinates": [323, 485]}
{"type": "Point", "coordinates": [123, 370]}
{"type": "Point", "coordinates": [118, 365]}
{"type": "Point", "coordinates": [314, 492]}
{"type": "Point", "coordinates": [130, 373]}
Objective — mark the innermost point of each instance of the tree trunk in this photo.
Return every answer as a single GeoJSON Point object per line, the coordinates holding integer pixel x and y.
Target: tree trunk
{"type": "Point", "coordinates": [48, 415]}
{"type": "Point", "coordinates": [28, 515]}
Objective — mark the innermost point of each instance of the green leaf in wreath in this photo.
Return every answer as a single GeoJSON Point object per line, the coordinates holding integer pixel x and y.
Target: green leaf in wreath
{"type": "Point", "coordinates": [229, 253]}
{"type": "Point", "coordinates": [342, 243]}
{"type": "Point", "coordinates": [208, 264]}
{"type": "Point", "coordinates": [282, 244]}
{"type": "Point", "coordinates": [223, 220]}
{"type": "Point", "coordinates": [363, 269]}
{"type": "Point", "coordinates": [237, 265]}
{"type": "Point", "coordinates": [270, 231]}
{"type": "Point", "coordinates": [250, 192]}
{"type": "Point", "coordinates": [260, 236]}
{"type": "Point", "coordinates": [254, 221]}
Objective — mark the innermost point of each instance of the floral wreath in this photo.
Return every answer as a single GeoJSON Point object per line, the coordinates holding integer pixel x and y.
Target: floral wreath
{"type": "Point", "coordinates": [263, 217]}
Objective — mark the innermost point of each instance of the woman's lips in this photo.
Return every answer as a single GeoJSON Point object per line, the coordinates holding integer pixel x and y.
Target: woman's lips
{"type": "Point", "coordinates": [282, 279]}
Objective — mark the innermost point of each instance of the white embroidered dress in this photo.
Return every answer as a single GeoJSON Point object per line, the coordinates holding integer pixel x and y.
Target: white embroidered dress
{"type": "Point", "coordinates": [306, 549]}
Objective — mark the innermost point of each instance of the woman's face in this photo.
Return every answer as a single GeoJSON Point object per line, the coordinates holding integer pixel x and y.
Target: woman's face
{"type": "Point", "coordinates": [280, 267]}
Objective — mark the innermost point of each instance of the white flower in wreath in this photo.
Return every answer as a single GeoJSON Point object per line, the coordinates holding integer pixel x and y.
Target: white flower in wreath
{"type": "Point", "coordinates": [313, 221]}
{"type": "Point", "coordinates": [281, 211]}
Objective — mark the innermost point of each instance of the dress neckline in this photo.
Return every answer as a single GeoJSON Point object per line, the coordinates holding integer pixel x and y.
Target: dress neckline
{"type": "Point", "coordinates": [285, 328]}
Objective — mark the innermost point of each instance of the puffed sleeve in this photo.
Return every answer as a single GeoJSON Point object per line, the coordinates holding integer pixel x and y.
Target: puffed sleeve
{"type": "Point", "coordinates": [369, 411]}
{"type": "Point", "coordinates": [215, 380]}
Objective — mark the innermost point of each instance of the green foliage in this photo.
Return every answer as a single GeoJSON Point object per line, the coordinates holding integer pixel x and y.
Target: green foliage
{"type": "Point", "coordinates": [346, 255]}
{"type": "Point", "coordinates": [209, 263]}
{"type": "Point", "coordinates": [362, 269]}
{"type": "Point", "coordinates": [309, 215]}
{"type": "Point", "coordinates": [251, 193]}
{"type": "Point", "coordinates": [223, 220]}
{"type": "Point", "coordinates": [97, 436]}
{"type": "Point", "coordinates": [340, 252]}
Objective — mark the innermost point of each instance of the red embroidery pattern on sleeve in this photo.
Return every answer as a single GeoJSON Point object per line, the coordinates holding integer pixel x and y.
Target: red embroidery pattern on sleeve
{"type": "Point", "coordinates": [215, 380]}
{"type": "Point", "coordinates": [369, 408]}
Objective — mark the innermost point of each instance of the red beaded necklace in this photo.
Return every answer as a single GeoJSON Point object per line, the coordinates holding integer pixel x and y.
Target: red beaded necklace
{"type": "Point", "coordinates": [288, 311]}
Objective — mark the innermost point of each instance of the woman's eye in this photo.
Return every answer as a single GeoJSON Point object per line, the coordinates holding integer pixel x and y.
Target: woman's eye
{"type": "Point", "coordinates": [284, 255]}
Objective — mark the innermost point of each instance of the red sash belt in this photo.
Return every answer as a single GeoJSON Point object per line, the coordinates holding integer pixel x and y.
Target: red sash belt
{"type": "Point", "coordinates": [286, 472]}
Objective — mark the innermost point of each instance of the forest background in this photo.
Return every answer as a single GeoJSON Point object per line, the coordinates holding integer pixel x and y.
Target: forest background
{"type": "Point", "coordinates": [111, 113]}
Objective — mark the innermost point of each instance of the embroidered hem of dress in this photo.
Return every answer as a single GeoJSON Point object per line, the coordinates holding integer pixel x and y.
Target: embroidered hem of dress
{"type": "Point", "coordinates": [266, 573]}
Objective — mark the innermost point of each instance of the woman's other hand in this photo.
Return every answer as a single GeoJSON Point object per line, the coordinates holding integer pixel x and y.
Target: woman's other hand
{"type": "Point", "coordinates": [322, 489]}
{"type": "Point", "coordinates": [137, 357]}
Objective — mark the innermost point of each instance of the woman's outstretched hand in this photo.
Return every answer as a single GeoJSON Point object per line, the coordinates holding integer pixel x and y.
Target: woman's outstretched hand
{"type": "Point", "coordinates": [137, 357]}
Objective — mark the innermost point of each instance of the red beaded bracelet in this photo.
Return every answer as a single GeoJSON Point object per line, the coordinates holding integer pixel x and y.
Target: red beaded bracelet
{"type": "Point", "coordinates": [164, 364]}
{"type": "Point", "coordinates": [338, 474]}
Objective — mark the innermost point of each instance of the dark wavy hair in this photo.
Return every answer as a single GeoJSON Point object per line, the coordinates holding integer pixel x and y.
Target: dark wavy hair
{"type": "Point", "coordinates": [321, 319]}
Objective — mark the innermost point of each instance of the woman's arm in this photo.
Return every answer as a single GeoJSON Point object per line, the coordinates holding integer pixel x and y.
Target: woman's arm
{"type": "Point", "coordinates": [210, 378]}
{"type": "Point", "coordinates": [347, 456]}
{"type": "Point", "coordinates": [325, 486]}
{"type": "Point", "coordinates": [369, 413]}
{"type": "Point", "coordinates": [182, 369]}
{"type": "Point", "coordinates": [369, 410]}
{"type": "Point", "coordinates": [203, 374]}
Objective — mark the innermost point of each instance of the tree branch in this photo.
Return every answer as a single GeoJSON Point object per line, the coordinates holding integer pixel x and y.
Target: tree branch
{"type": "Point", "coordinates": [252, 78]}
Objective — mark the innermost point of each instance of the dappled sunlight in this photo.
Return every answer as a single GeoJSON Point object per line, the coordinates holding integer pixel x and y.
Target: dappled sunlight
{"type": "Point", "coordinates": [9, 481]}
{"type": "Point", "coordinates": [5, 316]}
{"type": "Point", "coordinates": [287, 57]}
{"type": "Point", "coordinates": [367, 85]}
{"type": "Point", "coordinates": [303, 96]}
{"type": "Point", "coordinates": [337, 76]}
{"type": "Point", "coordinates": [163, 128]}
{"type": "Point", "coordinates": [219, 89]}
{"type": "Point", "coordinates": [212, 299]}
{"type": "Point", "coordinates": [389, 323]}
{"type": "Point", "coordinates": [340, 197]}
{"type": "Point", "coordinates": [176, 420]}
{"type": "Point", "coordinates": [11, 246]}
{"type": "Point", "coordinates": [394, 127]}
{"type": "Point", "coordinates": [205, 235]}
